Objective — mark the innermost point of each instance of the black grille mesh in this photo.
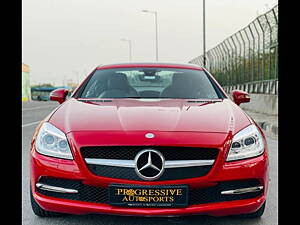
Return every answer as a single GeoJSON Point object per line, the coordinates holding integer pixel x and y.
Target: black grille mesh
{"type": "Point", "coordinates": [129, 152]}
{"type": "Point", "coordinates": [130, 174]}
{"type": "Point", "coordinates": [94, 194]}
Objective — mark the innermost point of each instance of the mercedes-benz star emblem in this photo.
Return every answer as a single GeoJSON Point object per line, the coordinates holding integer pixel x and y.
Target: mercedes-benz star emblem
{"type": "Point", "coordinates": [149, 164]}
{"type": "Point", "coordinates": [149, 135]}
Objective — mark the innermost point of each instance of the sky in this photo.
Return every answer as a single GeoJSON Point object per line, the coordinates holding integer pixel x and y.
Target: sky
{"type": "Point", "coordinates": [64, 40]}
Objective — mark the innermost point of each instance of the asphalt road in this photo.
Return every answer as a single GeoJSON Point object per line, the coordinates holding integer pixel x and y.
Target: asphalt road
{"type": "Point", "coordinates": [34, 112]}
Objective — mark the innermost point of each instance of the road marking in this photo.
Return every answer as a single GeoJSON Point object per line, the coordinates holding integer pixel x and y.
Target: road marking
{"type": "Point", "coordinates": [29, 124]}
{"type": "Point", "coordinates": [41, 107]}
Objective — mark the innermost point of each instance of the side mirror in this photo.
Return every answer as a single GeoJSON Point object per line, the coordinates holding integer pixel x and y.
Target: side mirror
{"type": "Point", "coordinates": [59, 95]}
{"type": "Point", "coordinates": [240, 97]}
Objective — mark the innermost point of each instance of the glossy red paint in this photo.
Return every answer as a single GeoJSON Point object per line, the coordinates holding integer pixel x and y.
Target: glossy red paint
{"type": "Point", "coordinates": [222, 171]}
{"type": "Point", "coordinates": [216, 209]}
{"type": "Point", "coordinates": [240, 96]}
{"type": "Point", "coordinates": [167, 115]}
{"type": "Point", "coordinates": [164, 65]}
{"type": "Point", "coordinates": [122, 122]}
{"type": "Point", "coordinates": [59, 95]}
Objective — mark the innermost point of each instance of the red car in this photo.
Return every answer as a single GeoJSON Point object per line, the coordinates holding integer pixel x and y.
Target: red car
{"type": "Point", "coordinates": [149, 139]}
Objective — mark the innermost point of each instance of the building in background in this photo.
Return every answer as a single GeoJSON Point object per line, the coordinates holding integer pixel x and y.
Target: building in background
{"type": "Point", "coordinates": [26, 92]}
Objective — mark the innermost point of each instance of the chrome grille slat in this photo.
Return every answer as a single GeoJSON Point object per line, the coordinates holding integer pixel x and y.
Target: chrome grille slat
{"type": "Point", "coordinates": [131, 163]}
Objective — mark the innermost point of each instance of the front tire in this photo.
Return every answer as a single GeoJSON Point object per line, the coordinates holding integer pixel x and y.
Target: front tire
{"type": "Point", "coordinates": [39, 211]}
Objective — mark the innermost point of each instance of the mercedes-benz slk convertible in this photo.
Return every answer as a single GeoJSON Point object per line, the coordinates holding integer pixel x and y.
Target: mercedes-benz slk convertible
{"type": "Point", "coordinates": [149, 139]}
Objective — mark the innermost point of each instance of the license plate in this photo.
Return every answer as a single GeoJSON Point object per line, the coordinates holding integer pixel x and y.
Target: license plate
{"type": "Point", "coordinates": [148, 196]}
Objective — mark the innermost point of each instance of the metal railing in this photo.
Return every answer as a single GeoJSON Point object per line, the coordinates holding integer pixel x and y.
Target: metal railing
{"type": "Point", "coordinates": [248, 56]}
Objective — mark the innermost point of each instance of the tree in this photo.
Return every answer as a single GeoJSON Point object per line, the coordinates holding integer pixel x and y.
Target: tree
{"type": "Point", "coordinates": [42, 85]}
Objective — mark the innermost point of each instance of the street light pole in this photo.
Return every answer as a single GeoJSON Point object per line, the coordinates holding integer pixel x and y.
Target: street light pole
{"type": "Point", "coordinates": [156, 36]}
{"type": "Point", "coordinates": [204, 50]}
{"type": "Point", "coordinates": [156, 30]}
{"type": "Point", "coordinates": [130, 50]}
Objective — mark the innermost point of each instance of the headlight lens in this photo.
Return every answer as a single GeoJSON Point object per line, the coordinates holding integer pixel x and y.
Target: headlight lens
{"type": "Point", "coordinates": [246, 144]}
{"type": "Point", "coordinates": [52, 142]}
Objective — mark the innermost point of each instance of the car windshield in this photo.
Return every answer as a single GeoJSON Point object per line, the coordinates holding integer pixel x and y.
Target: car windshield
{"type": "Point", "coordinates": [149, 82]}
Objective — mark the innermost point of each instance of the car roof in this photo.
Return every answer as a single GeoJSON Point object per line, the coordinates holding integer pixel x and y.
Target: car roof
{"type": "Point", "coordinates": [150, 64]}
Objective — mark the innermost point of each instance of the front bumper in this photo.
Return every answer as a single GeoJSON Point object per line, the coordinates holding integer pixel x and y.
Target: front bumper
{"type": "Point", "coordinates": [213, 209]}
{"type": "Point", "coordinates": [255, 168]}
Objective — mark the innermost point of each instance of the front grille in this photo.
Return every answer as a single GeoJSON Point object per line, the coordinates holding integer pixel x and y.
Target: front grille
{"type": "Point", "coordinates": [129, 153]}
{"type": "Point", "coordinates": [88, 193]}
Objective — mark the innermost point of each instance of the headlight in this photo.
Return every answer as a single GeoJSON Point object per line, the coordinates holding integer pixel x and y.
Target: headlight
{"type": "Point", "coordinates": [246, 144]}
{"type": "Point", "coordinates": [52, 142]}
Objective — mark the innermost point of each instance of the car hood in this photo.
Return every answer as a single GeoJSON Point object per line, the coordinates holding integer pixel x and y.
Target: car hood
{"type": "Point", "coordinates": [126, 115]}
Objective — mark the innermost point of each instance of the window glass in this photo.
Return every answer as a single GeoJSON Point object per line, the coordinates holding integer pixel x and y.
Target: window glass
{"type": "Point", "coordinates": [149, 83]}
